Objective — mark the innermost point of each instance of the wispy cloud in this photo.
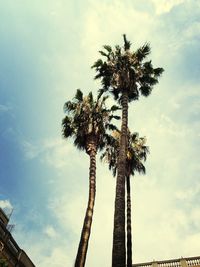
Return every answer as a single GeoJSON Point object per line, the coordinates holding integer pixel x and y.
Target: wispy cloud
{"type": "Point", "coordinates": [69, 211]}
{"type": "Point", "coordinates": [5, 108]}
{"type": "Point", "coordinates": [188, 194]}
{"type": "Point", "coordinates": [5, 204]}
{"type": "Point", "coordinates": [30, 151]}
{"type": "Point", "coordinates": [50, 231]}
{"type": "Point", "coordinates": [52, 151]}
{"type": "Point", "coordinates": [164, 6]}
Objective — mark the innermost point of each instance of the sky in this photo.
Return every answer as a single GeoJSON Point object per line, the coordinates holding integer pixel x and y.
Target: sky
{"type": "Point", "coordinates": [46, 52]}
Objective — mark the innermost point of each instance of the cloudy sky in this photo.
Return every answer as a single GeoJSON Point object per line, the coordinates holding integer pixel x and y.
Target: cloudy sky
{"type": "Point", "coordinates": [46, 50]}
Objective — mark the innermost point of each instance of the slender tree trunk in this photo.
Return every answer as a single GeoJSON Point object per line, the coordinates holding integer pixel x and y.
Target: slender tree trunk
{"type": "Point", "coordinates": [85, 235]}
{"type": "Point", "coordinates": [128, 218]}
{"type": "Point", "coordinates": [119, 246]}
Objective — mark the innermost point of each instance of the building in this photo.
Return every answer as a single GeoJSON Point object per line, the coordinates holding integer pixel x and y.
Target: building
{"type": "Point", "coordinates": [182, 262]}
{"type": "Point", "coordinates": [9, 249]}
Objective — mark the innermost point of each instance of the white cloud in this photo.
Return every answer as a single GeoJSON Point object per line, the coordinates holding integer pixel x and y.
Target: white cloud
{"type": "Point", "coordinates": [30, 151]}
{"type": "Point", "coordinates": [52, 151]}
{"type": "Point", "coordinates": [56, 152]}
{"type": "Point", "coordinates": [50, 231]}
{"type": "Point", "coordinates": [69, 211]}
{"type": "Point", "coordinates": [5, 204]}
{"type": "Point", "coordinates": [192, 31]}
{"type": "Point", "coordinates": [164, 6]}
{"type": "Point", "coordinates": [57, 258]}
{"type": "Point", "coordinates": [188, 193]}
{"type": "Point", "coordinates": [159, 225]}
{"type": "Point", "coordinates": [119, 16]}
{"type": "Point", "coordinates": [191, 245]}
{"type": "Point", "coordinates": [49, 251]}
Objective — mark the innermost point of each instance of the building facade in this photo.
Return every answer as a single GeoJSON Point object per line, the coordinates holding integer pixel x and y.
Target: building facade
{"type": "Point", "coordinates": [9, 249]}
{"type": "Point", "coordinates": [182, 262]}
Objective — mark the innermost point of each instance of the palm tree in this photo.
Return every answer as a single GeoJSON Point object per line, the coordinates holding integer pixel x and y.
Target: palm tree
{"type": "Point", "coordinates": [136, 155]}
{"type": "Point", "coordinates": [87, 121]}
{"type": "Point", "coordinates": [127, 75]}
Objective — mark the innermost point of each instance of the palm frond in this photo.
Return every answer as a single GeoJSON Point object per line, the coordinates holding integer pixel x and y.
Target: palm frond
{"type": "Point", "coordinates": [127, 44]}
{"type": "Point", "coordinates": [103, 156]}
{"type": "Point", "coordinates": [115, 108]}
{"type": "Point", "coordinates": [145, 90]}
{"type": "Point", "coordinates": [148, 67]}
{"type": "Point", "coordinates": [99, 75]}
{"type": "Point", "coordinates": [69, 106]}
{"type": "Point", "coordinates": [143, 52]}
{"type": "Point", "coordinates": [118, 51]}
{"type": "Point", "coordinates": [115, 93]}
{"type": "Point", "coordinates": [111, 127]}
{"type": "Point", "coordinates": [97, 64]}
{"type": "Point", "coordinates": [133, 94]}
{"type": "Point", "coordinates": [67, 127]}
{"type": "Point", "coordinates": [90, 99]}
{"type": "Point", "coordinates": [114, 117]}
{"type": "Point", "coordinates": [80, 142]}
{"type": "Point", "coordinates": [136, 155]}
{"type": "Point", "coordinates": [108, 48]}
{"type": "Point", "coordinates": [103, 53]}
{"type": "Point", "coordinates": [148, 80]}
{"type": "Point", "coordinates": [101, 92]}
{"type": "Point", "coordinates": [79, 95]}
{"type": "Point", "coordinates": [104, 98]}
{"type": "Point", "coordinates": [133, 137]}
{"type": "Point", "coordinates": [158, 72]}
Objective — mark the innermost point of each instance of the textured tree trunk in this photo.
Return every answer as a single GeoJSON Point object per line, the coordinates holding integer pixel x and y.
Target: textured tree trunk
{"type": "Point", "coordinates": [85, 235]}
{"type": "Point", "coordinates": [119, 246]}
{"type": "Point", "coordinates": [128, 218]}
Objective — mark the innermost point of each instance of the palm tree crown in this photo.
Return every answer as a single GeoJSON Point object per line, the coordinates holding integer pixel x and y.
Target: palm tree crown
{"type": "Point", "coordinates": [86, 117]}
{"type": "Point", "coordinates": [125, 70]}
{"type": "Point", "coordinates": [136, 153]}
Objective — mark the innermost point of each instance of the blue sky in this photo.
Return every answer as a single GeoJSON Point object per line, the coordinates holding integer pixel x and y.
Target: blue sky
{"type": "Point", "coordinates": [46, 50]}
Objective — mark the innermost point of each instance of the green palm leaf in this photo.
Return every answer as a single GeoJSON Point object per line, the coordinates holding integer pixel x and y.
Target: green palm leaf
{"type": "Point", "coordinates": [79, 95]}
{"type": "Point", "coordinates": [108, 48]}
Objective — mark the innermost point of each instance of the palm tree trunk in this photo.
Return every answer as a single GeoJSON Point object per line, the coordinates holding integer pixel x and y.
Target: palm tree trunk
{"type": "Point", "coordinates": [85, 235]}
{"type": "Point", "coordinates": [128, 218]}
{"type": "Point", "coordinates": [119, 246]}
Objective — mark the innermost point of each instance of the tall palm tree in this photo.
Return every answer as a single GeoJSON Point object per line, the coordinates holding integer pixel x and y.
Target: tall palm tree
{"type": "Point", "coordinates": [126, 74]}
{"type": "Point", "coordinates": [136, 155]}
{"type": "Point", "coordinates": [87, 121]}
